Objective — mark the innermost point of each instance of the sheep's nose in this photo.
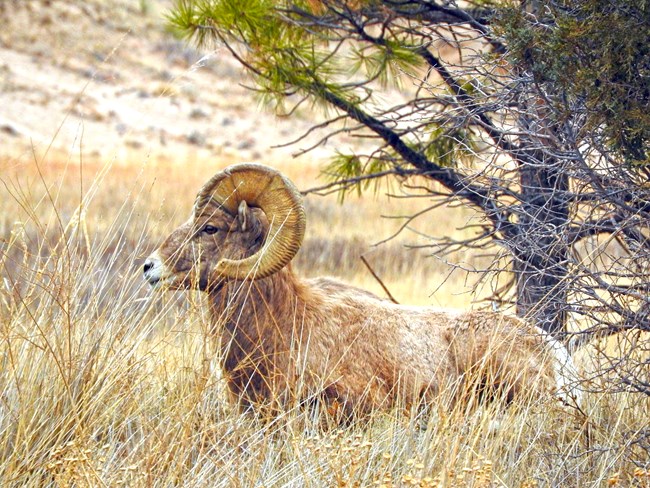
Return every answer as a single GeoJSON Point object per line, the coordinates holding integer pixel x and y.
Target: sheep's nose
{"type": "Point", "coordinates": [148, 264]}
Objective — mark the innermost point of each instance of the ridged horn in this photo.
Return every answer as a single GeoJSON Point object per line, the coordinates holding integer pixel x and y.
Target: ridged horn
{"type": "Point", "coordinates": [266, 188]}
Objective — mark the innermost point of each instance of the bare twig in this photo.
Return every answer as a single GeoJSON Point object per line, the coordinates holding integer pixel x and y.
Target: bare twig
{"type": "Point", "coordinates": [381, 283]}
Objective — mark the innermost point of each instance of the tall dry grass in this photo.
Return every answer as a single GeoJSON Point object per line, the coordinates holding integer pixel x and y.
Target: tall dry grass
{"type": "Point", "coordinates": [105, 384]}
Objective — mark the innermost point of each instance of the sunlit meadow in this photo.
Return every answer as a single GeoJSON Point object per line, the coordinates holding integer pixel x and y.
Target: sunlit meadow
{"type": "Point", "coordinates": [105, 383]}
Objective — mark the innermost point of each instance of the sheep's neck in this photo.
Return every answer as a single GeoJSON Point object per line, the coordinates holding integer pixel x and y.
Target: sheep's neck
{"type": "Point", "coordinates": [261, 307]}
{"type": "Point", "coordinates": [258, 324]}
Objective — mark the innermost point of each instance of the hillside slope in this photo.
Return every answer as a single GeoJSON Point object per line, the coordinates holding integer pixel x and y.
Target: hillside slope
{"type": "Point", "coordinates": [105, 77]}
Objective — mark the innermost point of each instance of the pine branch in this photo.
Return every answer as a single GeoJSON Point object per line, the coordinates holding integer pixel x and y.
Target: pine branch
{"type": "Point", "coordinates": [450, 178]}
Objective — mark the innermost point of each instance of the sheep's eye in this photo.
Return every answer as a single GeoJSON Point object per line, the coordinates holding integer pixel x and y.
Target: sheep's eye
{"type": "Point", "coordinates": [209, 229]}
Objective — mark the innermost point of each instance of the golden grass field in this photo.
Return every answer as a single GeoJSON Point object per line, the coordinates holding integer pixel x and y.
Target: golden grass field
{"type": "Point", "coordinates": [106, 384]}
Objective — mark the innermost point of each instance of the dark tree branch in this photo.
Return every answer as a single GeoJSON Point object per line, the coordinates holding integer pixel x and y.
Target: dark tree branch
{"type": "Point", "coordinates": [448, 177]}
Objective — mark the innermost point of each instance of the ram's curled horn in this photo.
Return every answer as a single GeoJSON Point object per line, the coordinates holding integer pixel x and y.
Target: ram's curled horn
{"type": "Point", "coordinates": [265, 188]}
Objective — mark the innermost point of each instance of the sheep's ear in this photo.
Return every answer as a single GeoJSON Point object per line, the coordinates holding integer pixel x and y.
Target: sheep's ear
{"type": "Point", "coordinates": [243, 214]}
{"type": "Point", "coordinates": [249, 219]}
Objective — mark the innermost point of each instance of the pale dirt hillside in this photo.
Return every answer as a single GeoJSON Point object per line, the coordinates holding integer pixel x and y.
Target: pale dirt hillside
{"type": "Point", "coordinates": [106, 76]}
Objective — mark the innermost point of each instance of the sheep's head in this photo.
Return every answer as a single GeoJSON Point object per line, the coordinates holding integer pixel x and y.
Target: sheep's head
{"type": "Point", "coordinates": [248, 222]}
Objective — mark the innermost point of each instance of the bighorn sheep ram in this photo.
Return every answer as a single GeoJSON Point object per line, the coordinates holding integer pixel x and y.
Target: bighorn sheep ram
{"type": "Point", "coordinates": [286, 339]}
